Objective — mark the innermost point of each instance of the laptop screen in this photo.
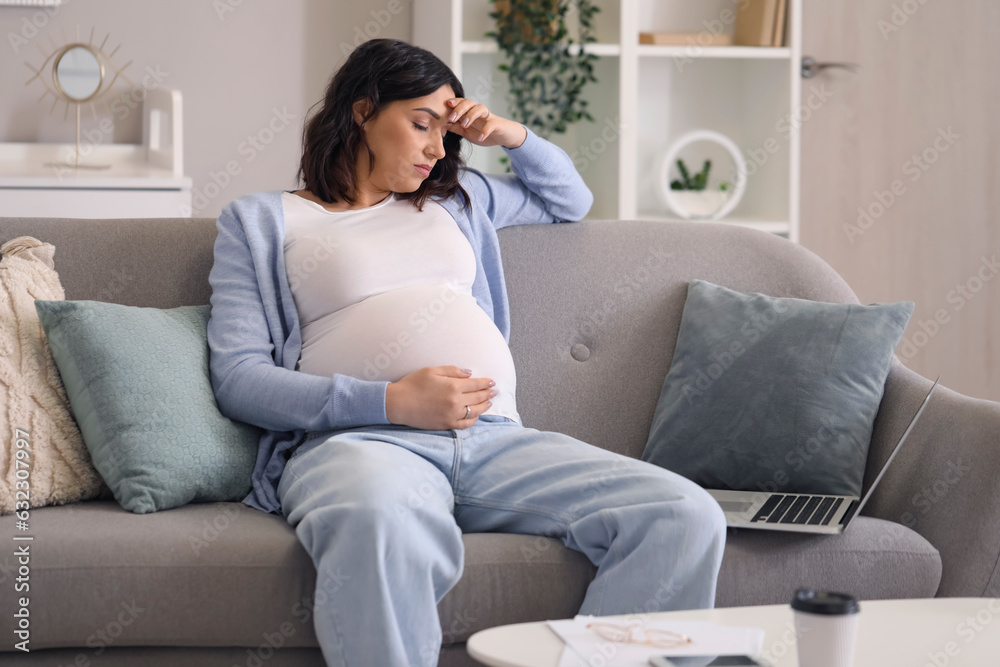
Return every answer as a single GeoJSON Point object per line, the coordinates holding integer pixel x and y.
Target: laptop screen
{"type": "Point", "coordinates": [892, 455]}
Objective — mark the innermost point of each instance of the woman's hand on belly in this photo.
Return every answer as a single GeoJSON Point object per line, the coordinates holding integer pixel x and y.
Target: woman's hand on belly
{"type": "Point", "coordinates": [435, 398]}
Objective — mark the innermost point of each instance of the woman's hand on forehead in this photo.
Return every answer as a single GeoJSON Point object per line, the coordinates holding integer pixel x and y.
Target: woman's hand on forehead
{"type": "Point", "coordinates": [474, 122]}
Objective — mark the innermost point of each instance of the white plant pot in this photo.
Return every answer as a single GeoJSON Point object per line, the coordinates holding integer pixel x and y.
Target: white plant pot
{"type": "Point", "coordinates": [712, 204]}
{"type": "Point", "coordinates": [698, 204]}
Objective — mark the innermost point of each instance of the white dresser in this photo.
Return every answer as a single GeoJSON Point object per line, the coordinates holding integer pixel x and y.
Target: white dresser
{"type": "Point", "coordinates": [143, 180]}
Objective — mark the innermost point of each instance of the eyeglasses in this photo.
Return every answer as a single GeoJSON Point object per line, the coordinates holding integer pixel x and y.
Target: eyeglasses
{"type": "Point", "coordinates": [637, 633]}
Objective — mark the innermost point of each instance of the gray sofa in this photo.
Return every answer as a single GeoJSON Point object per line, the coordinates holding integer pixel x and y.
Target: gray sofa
{"type": "Point", "coordinates": [595, 307]}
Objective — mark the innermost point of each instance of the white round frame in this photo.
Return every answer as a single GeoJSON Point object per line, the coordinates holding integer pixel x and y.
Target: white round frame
{"type": "Point", "coordinates": [671, 156]}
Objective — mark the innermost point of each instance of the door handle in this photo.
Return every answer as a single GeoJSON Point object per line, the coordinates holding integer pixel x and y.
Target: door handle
{"type": "Point", "coordinates": [811, 68]}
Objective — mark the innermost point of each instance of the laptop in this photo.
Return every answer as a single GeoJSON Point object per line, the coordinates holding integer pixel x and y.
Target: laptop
{"type": "Point", "coordinates": [802, 512]}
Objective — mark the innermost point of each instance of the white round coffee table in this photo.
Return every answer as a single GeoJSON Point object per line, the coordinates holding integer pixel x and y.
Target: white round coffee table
{"type": "Point", "coordinates": [936, 632]}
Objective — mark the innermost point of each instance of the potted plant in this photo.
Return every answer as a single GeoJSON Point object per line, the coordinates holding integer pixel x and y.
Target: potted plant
{"type": "Point", "coordinates": [546, 70]}
{"type": "Point", "coordinates": [693, 196]}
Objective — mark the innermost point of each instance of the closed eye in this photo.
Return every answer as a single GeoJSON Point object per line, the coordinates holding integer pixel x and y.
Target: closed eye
{"type": "Point", "coordinates": [423, 128]}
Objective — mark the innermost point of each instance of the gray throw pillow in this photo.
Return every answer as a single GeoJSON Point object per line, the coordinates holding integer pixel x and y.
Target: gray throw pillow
{"type": "Point", "coordinates": [773, 394]}
{"type": "Point", "coordinates": [138, 385]}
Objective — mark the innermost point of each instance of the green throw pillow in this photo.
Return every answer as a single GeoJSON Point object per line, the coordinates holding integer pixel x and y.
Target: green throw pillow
{"type": "Point", "coordinates": [773, 394]}
{"type": "Point", "coordinates": [138, 384]}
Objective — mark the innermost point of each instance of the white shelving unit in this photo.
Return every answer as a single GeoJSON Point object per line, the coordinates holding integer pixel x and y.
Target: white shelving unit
{"type": "Point", "coordinates": [647, 96]}
{"type": "Point", "coordinates": [141, 180]}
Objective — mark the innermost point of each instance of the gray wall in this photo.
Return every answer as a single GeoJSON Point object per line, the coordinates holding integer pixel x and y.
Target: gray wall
{"type": "Point", "coordinates": [244, 67]}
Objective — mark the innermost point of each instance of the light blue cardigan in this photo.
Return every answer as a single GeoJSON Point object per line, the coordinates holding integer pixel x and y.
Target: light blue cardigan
{"type": "Point", "coordinates": [253, 333]}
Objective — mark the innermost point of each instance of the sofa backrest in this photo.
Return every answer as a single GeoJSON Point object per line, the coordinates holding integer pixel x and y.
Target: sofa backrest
{"type": "Point", "coordinates": [152, 262]}
{"type": "Point", "coordinates": [595, 305]}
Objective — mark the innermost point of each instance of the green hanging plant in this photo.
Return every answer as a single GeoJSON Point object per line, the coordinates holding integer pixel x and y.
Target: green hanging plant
{"type": "Point", "coordinates": [546, 74]}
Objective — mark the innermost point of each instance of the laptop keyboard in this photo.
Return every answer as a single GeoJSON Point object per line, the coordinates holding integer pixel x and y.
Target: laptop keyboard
{"type": "Point", "coordinates": [814, 510]}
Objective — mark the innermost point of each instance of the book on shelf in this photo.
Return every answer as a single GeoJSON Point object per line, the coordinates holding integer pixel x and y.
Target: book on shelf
{"type": "Point", "coordinates": [760, 23]}
{"type": "Point", "coordinates": [703, 38]}
{"type": "Point", "coordinates": [780, 23]}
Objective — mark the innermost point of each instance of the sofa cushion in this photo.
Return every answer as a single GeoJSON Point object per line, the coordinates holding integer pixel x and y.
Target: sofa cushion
{"type": "Point", "coordinates": [172, 656]}
{"type": "Point", "coordinates": [138, 382]}
{"type": "Point", "coordinates": [873, 559]}
{"type": "Point", "coordinates": [224, 574]}
{"type": "Point", "coordinates": [524, 577]}
{"type": "Point", "coordinates": [205, 574]}
{"type": "Point", "coordinates": [775, 394]}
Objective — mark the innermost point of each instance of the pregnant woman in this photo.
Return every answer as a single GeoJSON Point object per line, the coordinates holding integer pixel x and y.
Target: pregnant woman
{"type": "Point", "coordinates": [362, 322]}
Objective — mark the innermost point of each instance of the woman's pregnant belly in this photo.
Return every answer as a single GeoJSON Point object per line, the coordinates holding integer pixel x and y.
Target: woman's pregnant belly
{"type": "Point", "coordinates": [391, 334]}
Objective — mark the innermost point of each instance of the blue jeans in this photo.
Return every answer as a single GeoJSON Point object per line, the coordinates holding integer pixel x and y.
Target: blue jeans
{"type": "Point", "coordinates": [381, 510]}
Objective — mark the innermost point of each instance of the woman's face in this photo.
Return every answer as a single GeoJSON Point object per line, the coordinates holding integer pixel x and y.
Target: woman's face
{"type": "Point", "coordinates": [407, 137]}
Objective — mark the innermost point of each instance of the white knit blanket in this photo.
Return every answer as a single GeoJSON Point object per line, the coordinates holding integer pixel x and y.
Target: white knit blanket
{"type": "Point", "coordinates": [33, 404]}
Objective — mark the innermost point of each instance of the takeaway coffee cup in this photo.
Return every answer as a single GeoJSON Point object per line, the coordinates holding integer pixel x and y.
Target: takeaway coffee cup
{"type": "Point", "coordinates": [826, 625]}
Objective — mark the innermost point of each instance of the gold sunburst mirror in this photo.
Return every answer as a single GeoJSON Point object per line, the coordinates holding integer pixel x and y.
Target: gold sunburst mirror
{"type": "Point", "coordinates": [77, 73]}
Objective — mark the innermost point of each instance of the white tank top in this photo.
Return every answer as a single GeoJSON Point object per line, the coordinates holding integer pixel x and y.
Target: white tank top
{"type": "Point", "coordinates": [387, 290]}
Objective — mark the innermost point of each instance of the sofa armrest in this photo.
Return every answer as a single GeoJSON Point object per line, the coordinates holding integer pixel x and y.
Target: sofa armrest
{"type": "Point", "coordinates": [944, 482]}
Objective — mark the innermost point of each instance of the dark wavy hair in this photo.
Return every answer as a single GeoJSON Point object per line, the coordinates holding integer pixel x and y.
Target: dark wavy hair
{"type": "Point", "coordinates": [382, 71]}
